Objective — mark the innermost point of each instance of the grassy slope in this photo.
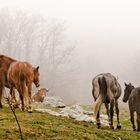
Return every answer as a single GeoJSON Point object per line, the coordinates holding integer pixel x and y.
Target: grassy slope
{"type": "Point", "coordinates": [42, 126]}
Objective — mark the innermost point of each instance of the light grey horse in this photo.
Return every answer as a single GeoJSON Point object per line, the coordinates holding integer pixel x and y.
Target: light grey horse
{"type": "Point", "coordinates": [107, 90]}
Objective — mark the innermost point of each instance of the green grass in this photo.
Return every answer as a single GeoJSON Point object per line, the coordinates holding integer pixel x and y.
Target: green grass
{"type": "Point", "coordinates": [42, 126]}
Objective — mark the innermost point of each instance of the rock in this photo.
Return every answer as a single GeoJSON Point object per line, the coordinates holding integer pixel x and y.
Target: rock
{"type": "Point", "coordinates": [48, 111]}
{"type": "Point", "coordinates": [77, 108]}
{"type": "Point", "coordinates": [85, 118]}
{"type": "Point", "coordinates": [54, 101]}
{"type": "Point", "coordinates": [88, 112]}
{"type": "Point", "coordinates": [75, 111]}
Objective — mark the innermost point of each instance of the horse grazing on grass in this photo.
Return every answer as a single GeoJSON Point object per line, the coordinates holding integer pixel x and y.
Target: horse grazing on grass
{"type": "Point", "coordinates": [107, 90]}
{"type": "Point", "coordinates": [5, 62]}
{"type": "Point", "coordinates": [132, 95]}
{"type": "Point", "coordinates": [21, 75]}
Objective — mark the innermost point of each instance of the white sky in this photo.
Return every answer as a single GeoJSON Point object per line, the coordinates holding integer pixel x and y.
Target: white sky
{"type": "Point", "coordinates": [107, 31]}
{"type": "Point", "coordinates": [89, 18]}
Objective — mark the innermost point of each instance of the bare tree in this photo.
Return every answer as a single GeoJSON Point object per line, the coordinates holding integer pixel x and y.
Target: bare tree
{"type": "Point", "coordinates": [39, 40]}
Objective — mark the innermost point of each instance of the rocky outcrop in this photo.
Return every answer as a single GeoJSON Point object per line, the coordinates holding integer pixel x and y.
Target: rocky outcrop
{"type": "Point", "coordinates": [74, 111]}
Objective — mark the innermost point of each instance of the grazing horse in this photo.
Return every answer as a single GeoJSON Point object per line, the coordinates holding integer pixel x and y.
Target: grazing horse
{"type": "Point", "coordinates": [39, 96]}
{"type": "Point", "coordinates": [5, 62]}
{"type": "Point", "coordinates": [21, 75]}
{"type": "Point", "coordinates": [132, 95]}
{"type": "Point", "coordinates": [107, 90]}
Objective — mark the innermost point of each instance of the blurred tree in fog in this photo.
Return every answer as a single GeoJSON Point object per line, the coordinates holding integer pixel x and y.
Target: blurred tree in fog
{"type": "Point", "coordinates": [41, 41]}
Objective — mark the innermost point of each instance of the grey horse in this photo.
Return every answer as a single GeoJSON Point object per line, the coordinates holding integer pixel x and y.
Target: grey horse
{"type": "Point", "coordinates": [107, 90]}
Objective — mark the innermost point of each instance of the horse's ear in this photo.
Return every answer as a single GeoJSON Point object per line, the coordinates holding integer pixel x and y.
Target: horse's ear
{"type": "Point", "coordinates": [37, 68]}
{"type": "Point", "coordinates": [125, 84]}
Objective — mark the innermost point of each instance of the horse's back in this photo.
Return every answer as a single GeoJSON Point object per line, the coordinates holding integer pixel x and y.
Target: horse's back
{"type": "Point", "coordinates": [110, 82]}
{"type": "Point", "coordinates": [17, 69]}
{"type": "Point", "coordinates": [113, 84]}
{"type": "Point", "coordinates": [5, 61]}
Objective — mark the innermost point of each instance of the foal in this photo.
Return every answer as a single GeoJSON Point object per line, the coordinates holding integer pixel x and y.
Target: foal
{"type": "Point", "coordinates": [132, 95]}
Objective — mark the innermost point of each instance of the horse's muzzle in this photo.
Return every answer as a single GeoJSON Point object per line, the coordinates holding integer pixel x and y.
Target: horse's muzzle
{"type": "Point", "coordinates": [38, 85]}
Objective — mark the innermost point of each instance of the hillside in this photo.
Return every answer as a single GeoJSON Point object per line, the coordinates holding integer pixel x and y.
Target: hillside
{"type": "Point", "coordinates": [43, 126]}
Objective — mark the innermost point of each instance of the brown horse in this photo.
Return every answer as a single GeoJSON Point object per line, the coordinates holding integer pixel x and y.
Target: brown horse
{"type": "Point", "coordinates": [5, 62]}
{"type": "Point", "coordinates": [21, 75]}
{"type": "Point", "coordinates": [107, 90]}
{"type": "Point", "coordinates": [2, 81]}
{"type": "Point", "coordinates": [40, 95]}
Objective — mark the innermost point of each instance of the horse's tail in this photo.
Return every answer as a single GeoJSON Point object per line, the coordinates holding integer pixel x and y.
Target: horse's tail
{"type": "Point", "coordinates": [23, 88]}
{"type": "Point", "coordinates": [102, 96]}
{"type": "Point", "coordinates": [103, 88]}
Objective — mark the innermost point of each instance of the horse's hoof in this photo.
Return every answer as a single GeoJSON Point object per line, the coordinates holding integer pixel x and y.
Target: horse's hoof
{"type": "Point", "coordinates": [119, 126]}
{"type": "Point", "coordinates": [30, 111]}
{"type": "Point", "coordinates": [98, 125]}
{"type": "Point", "coordinates": [112, 127]}
{"type": "Point", "coordinates": [134, 129]}
{"type": "Point", "coordinates": [15, 106]}
{"type": "Point", "coordinates": [1, 106]}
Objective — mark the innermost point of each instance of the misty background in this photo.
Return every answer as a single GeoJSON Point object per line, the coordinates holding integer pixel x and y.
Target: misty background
{"type": "Point", "coordinates": [73, 41]}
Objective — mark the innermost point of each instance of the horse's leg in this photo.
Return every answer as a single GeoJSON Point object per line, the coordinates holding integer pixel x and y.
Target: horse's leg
{"type": "Point", "coordinates": [98, 119]}
{"type": "Point", "coordinates": [11, 93]}
{"type": "Point", "coordinates": [2, 82]}
{"type": "Point", "coordinates": [138, 121]}
{"type": "Point", "coordinates": [98, 103]}
{"type": "Point", "coordinates": [30, 94]}
{"type": "Point", "coordinates": [117, 112]}
{"type": "Point", "coordinates": [132, 120]}
{"type": "Point", "coordinates": [13, 98]}
{"type": "Point", "coordinates": [111, 113]}
{"type": "Point", "coordinates": [1, 92]}
{"type": "Point", "coordinates": [22, 102]}
{"type": "Point", "coordinates": [107, 111]}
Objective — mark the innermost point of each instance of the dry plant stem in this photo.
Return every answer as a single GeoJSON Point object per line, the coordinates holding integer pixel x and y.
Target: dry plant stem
{"type": "Point", "coordinates": [13, 111]}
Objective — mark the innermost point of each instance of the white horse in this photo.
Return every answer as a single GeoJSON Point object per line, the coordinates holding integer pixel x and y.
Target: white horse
{"type": "Point", "coordinates": [107, 90]}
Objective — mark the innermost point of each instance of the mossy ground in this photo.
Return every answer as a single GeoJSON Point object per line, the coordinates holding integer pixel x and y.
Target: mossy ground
{"type": "Point", "coordinates": [43, 126]}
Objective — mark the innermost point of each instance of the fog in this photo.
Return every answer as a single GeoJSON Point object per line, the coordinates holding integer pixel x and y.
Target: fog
{"type": "Point", "coordinates": [105, 36]}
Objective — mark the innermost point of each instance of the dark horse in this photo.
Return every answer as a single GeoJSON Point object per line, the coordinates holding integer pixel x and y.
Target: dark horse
{"type": "Point", "coordinates": [107, 90]}
{"type": "Point", "coordinates": [5, 62]}
{"type": "Point", "coordinates": [132, 95]}
{"type": "Point", "coordinates": [21, 75]}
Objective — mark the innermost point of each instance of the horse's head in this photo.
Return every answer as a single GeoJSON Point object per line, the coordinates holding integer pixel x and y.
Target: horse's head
{"type": "Point", "coordinates": [36, 76]}
{"type": "Point", "coordinates": [43, 92]}
{"type": "Point", "coordinates": [127, 91]}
